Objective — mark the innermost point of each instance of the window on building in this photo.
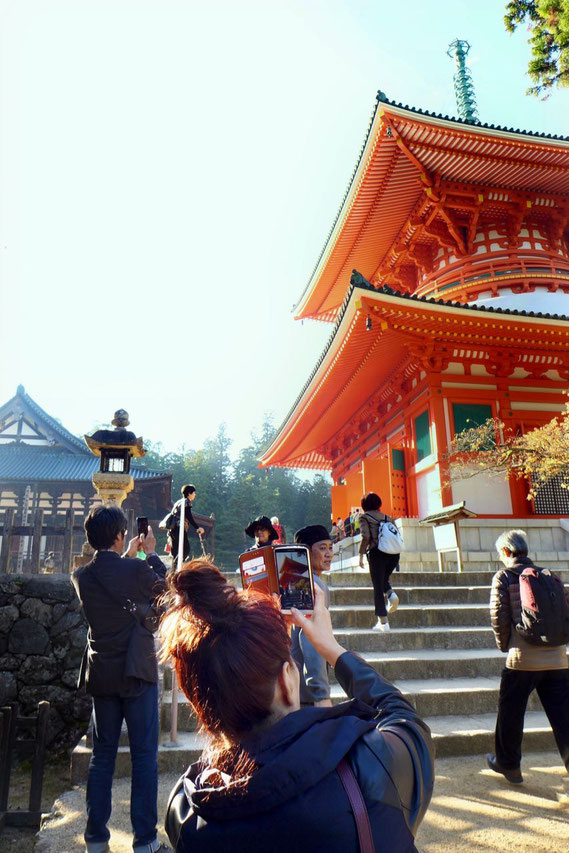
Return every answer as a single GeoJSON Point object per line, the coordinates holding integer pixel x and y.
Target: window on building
{"type": "Point", "coordinates": [469, 415]}
{"type": "Point", "coordinates": [422, 436]}
{"type": "Point", "coordinates": [398, 460]}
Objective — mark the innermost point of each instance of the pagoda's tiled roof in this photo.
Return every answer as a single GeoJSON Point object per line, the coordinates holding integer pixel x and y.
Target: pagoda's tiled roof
{"type": "Point", "coordinates": [382, 99]}
{"type": "Point", "coordinates": [382, 102]}
{"type": "Point", "coordinates": [359, 283]}
{"type": "Point", "coordinates": [20, 461]}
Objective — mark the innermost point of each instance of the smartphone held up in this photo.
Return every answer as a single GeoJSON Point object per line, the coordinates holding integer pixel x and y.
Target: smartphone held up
{"type": "Point", "coordinates": [142, 525]}
{"type": "Point", "coordinates": [284, 570]}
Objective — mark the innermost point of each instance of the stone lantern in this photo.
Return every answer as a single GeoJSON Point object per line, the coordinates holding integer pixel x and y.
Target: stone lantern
{"type": "Point", "coordinates": [116, 447]}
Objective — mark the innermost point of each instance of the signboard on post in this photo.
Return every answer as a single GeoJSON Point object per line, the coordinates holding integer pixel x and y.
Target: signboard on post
{"type": "Point", "coordinates": [446, 531]}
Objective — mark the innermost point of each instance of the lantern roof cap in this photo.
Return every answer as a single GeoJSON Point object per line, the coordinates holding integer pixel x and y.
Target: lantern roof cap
{"type": "Point", "coordinates": [119, 438]}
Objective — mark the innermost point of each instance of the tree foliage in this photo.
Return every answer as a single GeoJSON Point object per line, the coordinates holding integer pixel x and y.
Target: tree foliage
{"type": "Point", "coordinates": [548, 24]}
{"type": "Point", "coordinates": [537, 456]}
{"type": "Point", "coordinates": [236, 491]}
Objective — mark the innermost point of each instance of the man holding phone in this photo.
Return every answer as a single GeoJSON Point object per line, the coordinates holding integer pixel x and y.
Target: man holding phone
{"type": "Point", "coordinates": [314, 684]}
{"type": "Point", "coordinates": [120, 671]}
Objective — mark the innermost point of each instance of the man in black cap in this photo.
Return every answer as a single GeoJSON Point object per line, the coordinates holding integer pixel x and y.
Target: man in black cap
{"type": "Point", "coordinates": [314, 685]}
{"type": "Point", "coordinates": [263, 532]}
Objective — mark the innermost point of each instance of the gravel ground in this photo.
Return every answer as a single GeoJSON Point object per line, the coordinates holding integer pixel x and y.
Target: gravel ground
{"type": "Point", "coordinates": [473, 811]}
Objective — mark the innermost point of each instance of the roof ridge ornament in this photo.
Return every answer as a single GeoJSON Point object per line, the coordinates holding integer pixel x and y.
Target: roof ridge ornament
{"type": "Point", "coordinates": [463, 83]}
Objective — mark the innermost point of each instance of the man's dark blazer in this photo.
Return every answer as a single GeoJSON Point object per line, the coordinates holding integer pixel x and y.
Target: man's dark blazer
{"type": "Point", "coordinates": [120, 653]}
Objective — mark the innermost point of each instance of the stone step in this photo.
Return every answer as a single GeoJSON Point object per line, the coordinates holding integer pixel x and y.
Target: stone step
{"type": "Point", "coordinates": [473, 734]}
{"type": "Point", "coordinates": [435, 663]}
{"type": "Point", "coordinates": [413, 616]}
{"type": "Point", "coordinates": [456, 696]}
{"type": "Point", "coordinates": [431, 697]}
{"type": "Point", "coordinates": [448, 696]}
{"type": "Point", "coordinates": [361, 578]}
{"type": "Point", "coordinates": [453, 735]}
{"type": "Point", "coordinates": [364, 640]}
{"type": "Point", "coordinates": [464, 734]}
{"type": "Point", "coordinates": [422, 663]}
{"type": "Point", "coordinates": [350, 595]}
{"type": "Point", "coordinates": [171, 759]}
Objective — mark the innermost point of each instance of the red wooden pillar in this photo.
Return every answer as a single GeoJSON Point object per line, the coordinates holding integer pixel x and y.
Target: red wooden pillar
{"type": "Point", "coordinates": [436, 407]}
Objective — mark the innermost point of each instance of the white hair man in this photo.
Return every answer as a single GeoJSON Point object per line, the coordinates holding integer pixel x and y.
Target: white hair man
{"type": "Point", "coordinates": [528, 666]}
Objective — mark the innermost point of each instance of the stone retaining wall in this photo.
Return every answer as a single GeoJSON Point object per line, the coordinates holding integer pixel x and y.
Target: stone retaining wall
{"type": "Point", "coordinates": [42, 638]}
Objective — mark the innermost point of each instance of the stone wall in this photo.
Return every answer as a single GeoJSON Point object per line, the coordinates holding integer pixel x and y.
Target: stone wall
{"type": "Point", "coordinates": [42, 638]}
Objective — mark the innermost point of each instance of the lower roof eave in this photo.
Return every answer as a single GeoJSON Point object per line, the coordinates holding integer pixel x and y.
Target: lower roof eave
{"type": "Point", "coordinates": [360, 298]}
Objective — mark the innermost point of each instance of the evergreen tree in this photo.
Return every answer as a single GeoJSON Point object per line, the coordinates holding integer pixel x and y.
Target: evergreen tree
{"type": "Point", "coordinates": [548, 23]}
{"type": "Point", "coordinates": [236, 492]}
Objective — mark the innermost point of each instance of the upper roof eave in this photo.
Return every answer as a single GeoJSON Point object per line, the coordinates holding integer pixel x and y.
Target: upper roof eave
{"type": "Point", "coordinates": [306, 306]}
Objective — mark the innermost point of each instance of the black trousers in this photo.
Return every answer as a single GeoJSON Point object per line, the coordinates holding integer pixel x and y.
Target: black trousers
{"type": "Point", "coordinates": [552, 687]}
{"type": "Point", "coordinates": [174, 539]}
{"type": "Point", "coordinates": [381, 565]}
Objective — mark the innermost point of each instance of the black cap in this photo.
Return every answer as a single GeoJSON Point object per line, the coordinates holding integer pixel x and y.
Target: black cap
{"type": "Point", "coordinates": [311, 534]}
{"type": "Point", "coordinates": [263, 522]}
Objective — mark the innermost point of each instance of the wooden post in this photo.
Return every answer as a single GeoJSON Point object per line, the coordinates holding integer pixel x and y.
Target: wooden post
{"type": "Point", "coordinates": [2, 813]}
{"type": "Point", "coordinates": [36, 542]}
{"type": "Point", "coordinates": [7, 540]}
{"type": "Point", "coordinates": [458, 546]}
{"type": "Point", "coordinates": [67, 542]}
{"type": "Point", "coordinates": [38, 761]}
{"type": "Point", "coordinates": [6, 747]}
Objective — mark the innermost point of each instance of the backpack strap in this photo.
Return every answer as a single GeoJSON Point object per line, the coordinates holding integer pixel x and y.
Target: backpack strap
{"type": "Point", "coordinates": [357, 803]}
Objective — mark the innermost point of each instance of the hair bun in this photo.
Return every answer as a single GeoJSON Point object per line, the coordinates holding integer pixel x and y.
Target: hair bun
{"type": "Point", "coordinates": [204, 590]}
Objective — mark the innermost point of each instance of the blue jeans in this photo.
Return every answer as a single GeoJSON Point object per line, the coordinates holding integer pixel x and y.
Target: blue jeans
{"type": "Point", "coordinates": [141, 715]}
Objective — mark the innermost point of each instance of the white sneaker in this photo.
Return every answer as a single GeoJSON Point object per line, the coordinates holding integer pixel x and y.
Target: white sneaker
{"type": "Point", "coordinates": [381, 626]}
{"type": "Point", "coordinates": [392, 602]}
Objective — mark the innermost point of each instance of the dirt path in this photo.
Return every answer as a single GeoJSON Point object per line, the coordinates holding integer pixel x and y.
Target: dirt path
{"type": "Point", "coordinates": [473, 811]}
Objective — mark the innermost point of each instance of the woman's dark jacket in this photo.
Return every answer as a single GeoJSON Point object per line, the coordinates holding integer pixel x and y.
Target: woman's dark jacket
{"type": "Point", "coordinates": [295, 800]}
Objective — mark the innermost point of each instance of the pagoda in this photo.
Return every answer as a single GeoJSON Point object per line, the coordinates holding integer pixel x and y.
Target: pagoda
{"type": "Point", "coordinates": [446, 278]}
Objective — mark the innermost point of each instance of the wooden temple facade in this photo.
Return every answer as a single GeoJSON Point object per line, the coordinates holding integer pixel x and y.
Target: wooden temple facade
{"type": "Point", "coordinates": [446, 276]}
{"type": "Point", "coordinates": [45, 467]}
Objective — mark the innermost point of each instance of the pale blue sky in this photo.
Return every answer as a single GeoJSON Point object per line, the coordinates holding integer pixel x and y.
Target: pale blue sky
{"type": "Point", "coordinates": [169, 172]}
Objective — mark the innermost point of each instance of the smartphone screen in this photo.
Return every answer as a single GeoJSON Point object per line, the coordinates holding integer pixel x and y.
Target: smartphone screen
{"type": "Point", "coordinates": [295, 581]}
{"type": "Point", "coordinates": [142, 525]}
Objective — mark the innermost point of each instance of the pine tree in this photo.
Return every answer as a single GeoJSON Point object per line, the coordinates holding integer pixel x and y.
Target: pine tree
{"type": "Point", "coordinates": [548, 24]}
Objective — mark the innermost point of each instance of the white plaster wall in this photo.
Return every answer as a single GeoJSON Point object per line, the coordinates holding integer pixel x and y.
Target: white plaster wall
{"type": "Point", "coordinates": [429, 492]}
{"type": "Point", "coordinates": [485, 493]}
{"type": "Point", "coordinates": [540, 300]}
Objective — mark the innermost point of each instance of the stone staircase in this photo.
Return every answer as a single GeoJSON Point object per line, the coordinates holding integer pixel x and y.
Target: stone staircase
{"type": "Point", "coordinates": [440, 653]}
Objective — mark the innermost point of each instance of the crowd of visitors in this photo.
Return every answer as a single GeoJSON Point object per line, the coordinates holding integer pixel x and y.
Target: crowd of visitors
{"type": "Point", "coordinates": [284, 769]}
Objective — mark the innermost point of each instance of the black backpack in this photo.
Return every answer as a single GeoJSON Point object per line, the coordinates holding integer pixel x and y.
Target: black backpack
{"type": "Point", "coordinates": [544, 617]}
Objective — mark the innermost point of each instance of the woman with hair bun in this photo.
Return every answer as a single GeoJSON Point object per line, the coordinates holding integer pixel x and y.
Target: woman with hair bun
{"type": "Point", "coordinates": [268, 779]}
